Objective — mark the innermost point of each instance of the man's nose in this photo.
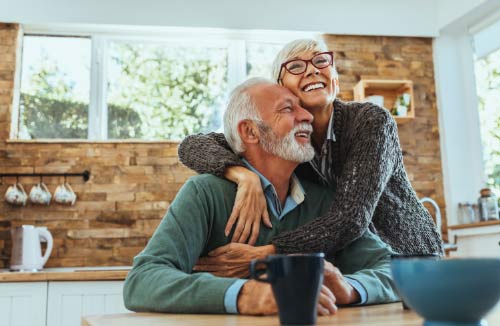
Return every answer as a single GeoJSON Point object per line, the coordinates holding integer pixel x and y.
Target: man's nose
{"type": "Point", "coordinates": [304, 115]}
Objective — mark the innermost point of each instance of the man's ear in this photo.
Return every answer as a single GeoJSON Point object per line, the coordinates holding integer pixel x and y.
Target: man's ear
{"type": "Point", "coordinates": [249, 133]}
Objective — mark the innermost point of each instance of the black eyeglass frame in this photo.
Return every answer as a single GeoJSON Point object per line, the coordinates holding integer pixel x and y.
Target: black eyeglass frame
{"type": "Point", "coordinates": [283, 65]}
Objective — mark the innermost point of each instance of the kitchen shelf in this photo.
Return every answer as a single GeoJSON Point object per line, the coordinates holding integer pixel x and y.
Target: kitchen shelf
{"type": "Point", "coordinates": [473, 225]}
{"type": "Point", "coordinates": [390, 89]}
{"type": "Point", "coordinates": [85, 174]}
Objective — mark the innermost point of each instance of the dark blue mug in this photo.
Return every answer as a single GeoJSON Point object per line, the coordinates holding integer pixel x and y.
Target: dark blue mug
{"type": "Point", "coordinates": [296, 282]}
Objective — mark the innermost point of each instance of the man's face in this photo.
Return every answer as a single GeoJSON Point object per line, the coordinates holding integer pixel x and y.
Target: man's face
{"type": "Point", "coordinates": [286, 127]}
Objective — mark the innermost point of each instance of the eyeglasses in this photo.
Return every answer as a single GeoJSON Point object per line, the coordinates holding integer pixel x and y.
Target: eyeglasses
{"type": "Point", "coordinates": [299, 66]}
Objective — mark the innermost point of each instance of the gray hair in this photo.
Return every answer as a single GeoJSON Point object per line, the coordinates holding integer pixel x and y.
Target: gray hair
{"type": "Point", "coordinates": [294, 49]}
{"type": "Point", "coordinates": [241, 107]}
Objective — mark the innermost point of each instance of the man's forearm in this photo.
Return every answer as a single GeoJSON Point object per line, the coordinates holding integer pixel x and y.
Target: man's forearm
{"type": "Point", "coordinates": [162, 288]}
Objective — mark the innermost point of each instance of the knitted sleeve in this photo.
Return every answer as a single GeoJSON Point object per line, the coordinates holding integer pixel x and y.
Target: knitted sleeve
{"type": "Point", "coordinates": [208, 153]}
{"type": "Point", "coordinates": [370, 161]}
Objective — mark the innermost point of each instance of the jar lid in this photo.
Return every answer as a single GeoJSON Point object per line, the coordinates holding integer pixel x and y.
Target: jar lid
{"type": "Point", "coordinates": [485, 192]}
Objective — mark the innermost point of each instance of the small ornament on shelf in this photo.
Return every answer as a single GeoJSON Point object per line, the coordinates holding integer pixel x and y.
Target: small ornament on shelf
{"type": "Point", "coordinates": [401, 105]}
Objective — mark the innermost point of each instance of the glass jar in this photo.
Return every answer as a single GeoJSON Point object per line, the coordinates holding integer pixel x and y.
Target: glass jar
{"type": "Point", "coordinates": [476, 216]}
{"type": "Point", "coordinates": [488, 205]}
{"type": "Point", "coordinates": [466, 213]}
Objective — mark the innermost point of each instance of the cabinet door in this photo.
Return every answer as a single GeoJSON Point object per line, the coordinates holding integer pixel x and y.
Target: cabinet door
{"type": "Point", "coordinates": [23, 304]}
{"type": "Point", "coordinates": [482, 245]}
{"type": "Point", "coordinates": [69, 301]}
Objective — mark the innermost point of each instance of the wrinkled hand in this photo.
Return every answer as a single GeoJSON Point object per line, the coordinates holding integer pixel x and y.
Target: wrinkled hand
{"type": "Point", "coordinates": [326, 304]}
{"type": "Point", "coordinates": [249, 208]}
{"type": "Point", "coordinates": [232, 260]}
{"type": "Point", "coordinates": [256, 298]}
{"type": "Point", "coordinates": [336, 282]}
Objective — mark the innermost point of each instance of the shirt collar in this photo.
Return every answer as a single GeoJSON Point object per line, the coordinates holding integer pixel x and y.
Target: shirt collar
{"type": "Point", "coordinates": [330, 134]}
{"type": "Point", "coordinates": [296, 191]}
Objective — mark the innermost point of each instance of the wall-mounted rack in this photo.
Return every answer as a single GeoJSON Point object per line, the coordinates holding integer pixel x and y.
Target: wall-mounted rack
{"type": "Point", "coordinates": [85, 174]}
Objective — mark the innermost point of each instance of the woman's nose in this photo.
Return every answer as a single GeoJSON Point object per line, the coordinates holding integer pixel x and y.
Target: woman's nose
{"type": "Point", "coordinates": [311, 70]}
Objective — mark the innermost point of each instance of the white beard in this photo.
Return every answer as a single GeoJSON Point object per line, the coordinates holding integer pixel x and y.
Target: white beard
{"type": "Point", "coordinates": [286, 147]}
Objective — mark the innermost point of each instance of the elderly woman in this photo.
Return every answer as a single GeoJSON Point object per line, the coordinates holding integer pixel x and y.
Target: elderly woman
{"type": "Point", "coordinates": [357, 153]}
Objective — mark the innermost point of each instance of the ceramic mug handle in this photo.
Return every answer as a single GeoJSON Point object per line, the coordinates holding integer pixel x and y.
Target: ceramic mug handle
{"type": "Point", "coordinates": [72, 192]}
{"type": "Point", "coordinates": [47, 193]}
{"type": "Point", "coordinates": [257, 274]}
{"type": "Point", "coordinates": [20, 188]}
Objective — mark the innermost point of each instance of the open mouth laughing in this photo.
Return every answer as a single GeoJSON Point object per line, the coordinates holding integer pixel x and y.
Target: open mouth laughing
{"type": "Point", "coordinates": [313, 86]}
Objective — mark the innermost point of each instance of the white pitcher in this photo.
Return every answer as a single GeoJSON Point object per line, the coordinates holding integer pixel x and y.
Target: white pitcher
{"type": "Point", "coordinates": [26, 248]}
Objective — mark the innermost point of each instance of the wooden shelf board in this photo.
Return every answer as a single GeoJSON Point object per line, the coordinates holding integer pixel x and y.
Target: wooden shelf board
{"type": "Point", "coordinates": [394, 85]}
{"type": "Point", "coordinates": [474, 225]}
{"type": "Point", "coordinates": [402, 120]}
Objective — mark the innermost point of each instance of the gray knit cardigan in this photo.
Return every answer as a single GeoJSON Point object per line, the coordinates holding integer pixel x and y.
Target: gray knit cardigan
{"type": "Point", "coordinates": [372, 188]}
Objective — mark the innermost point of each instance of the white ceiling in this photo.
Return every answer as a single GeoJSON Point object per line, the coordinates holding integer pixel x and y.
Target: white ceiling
{"type": "Point", "coordinates": [362, 17]}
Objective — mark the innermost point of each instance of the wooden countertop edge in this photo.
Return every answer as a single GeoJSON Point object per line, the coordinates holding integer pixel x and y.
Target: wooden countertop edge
{"type": "Point", "coordinates": [474, 225]}
{"type": "Point", "coordinates": [63, 276]}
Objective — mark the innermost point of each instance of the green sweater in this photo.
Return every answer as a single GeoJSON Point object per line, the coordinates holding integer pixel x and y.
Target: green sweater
{"type": "Point", "coordinates": [161, 279]}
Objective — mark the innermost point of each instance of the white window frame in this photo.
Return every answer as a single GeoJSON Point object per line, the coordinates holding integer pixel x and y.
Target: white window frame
{"type": "Point", "coordinates": [234, 40]}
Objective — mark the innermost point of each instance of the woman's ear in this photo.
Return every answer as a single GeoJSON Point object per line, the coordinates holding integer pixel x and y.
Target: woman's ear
{"type": "Point", "coordinates": [248, 132]}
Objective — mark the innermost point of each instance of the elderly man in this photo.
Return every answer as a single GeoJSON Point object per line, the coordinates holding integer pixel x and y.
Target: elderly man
{"type": "Point", "coordinates": [265, 124]}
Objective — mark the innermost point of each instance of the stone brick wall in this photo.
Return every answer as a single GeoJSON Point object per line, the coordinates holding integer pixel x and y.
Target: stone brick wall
{"type": "Point", "coordinates": [132, 184]}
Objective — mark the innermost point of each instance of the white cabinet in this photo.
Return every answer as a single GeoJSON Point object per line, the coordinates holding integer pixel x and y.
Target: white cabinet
{"type": "Point", "coordinates": [23, 304]}
{"type": "Point", "coordinates": [483, 241]}
{"type": "Point", "coordinates": [69, 301]}
{"type": "Point", "coordinates": [58, 303]}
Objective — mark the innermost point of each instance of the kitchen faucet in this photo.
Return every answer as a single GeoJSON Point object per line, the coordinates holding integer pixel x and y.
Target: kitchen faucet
{"type": "Point", "coordinates": [446, 246]}
{"type": "Point", "coordinates": [436, 208]}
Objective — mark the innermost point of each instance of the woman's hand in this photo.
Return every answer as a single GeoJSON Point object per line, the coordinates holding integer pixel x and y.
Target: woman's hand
{"type": "Point", "coordinates": [232, 260]}
{"type": "Point", "coordinates": [250, 206]}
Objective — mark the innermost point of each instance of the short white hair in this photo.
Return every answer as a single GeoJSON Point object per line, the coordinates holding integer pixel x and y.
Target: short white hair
{"type": "Point", "coordinates": [294, 49]}
{"type": "Point", "coordinates": [241, 106]}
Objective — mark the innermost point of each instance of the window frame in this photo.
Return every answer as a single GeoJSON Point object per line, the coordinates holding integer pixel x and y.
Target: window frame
{"type": "Point", "coordinates": [233, 40]}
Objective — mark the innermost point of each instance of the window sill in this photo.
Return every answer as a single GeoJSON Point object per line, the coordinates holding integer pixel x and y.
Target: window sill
{"type": "Point", "coordinates": [88, 141]}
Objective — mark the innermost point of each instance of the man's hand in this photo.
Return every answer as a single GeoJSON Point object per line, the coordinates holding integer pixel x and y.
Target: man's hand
{"type": "Point", "coordinates": [256, 298]}
{"type": "Point", "coordinates": [326, 304]}
{"type": "Point", "coordinates": [336, 282]}
{"type": "Point", "coordinates": [232, 260]}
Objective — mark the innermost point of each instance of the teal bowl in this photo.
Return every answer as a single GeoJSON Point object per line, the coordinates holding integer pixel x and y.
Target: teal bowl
{"type": "Point", "coordinates": [449, 291]}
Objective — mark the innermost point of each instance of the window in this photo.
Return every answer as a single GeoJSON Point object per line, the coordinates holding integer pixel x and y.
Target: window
{"type": "Point", "coordinates": [55, 87]}
{"type": "Point", "coordinates": [113, 86]}
{"type": "Point", "coordinates": [260, 57]}
{"type": "Point", "coordinates": [163, 91]}
{"type": "Point", "coordinates": [488, 90]}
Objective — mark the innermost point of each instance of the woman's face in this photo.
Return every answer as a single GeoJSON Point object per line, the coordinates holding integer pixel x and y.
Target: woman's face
{"type": "Point", "coordinates": [316, 88]}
